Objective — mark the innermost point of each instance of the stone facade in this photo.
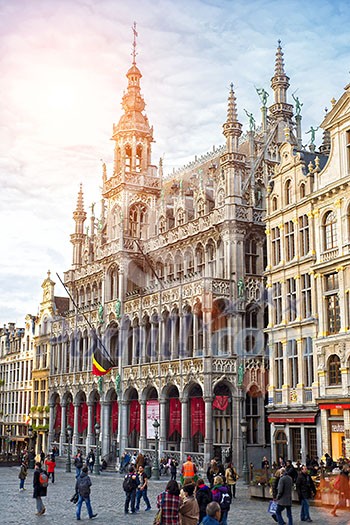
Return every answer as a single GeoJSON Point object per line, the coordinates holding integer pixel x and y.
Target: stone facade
{"type": "Point", "coordinates": [168, 282]}
{"type": "Point", "coordinates": [308, 278]}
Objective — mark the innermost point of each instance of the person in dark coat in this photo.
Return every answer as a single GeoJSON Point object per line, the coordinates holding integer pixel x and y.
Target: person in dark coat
{"type": "Point", "coordinates": [274, 483]}
{"type": "Point", "coordinates": [284, 497]}
{"type": "Point", "coordinates": [343, 489]}
{"type": "Point", "coordinates": [82, 487]}
{"type": "Point", "coordinates": [39, 491]}
{"type": "Point", "coordinates": [291, 470]}
{"type": "Point", "coordinates": [130, 492]}
{"type": "Point", "coordinates": [90, 460]}
{"type": "Point", "coordinates": [173, 469]}
{"type": "Point", "coordinates": [203, 496]}
{"type": "Point", "coordinates": [306, 490]}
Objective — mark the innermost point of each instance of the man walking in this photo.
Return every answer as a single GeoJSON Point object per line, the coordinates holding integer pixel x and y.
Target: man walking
{"type": "Point", "coordinates": [142, 490]}
{"type": "Point", "coordinates": [82, 487]}
{"type": "Point", "coordinates": [188, 470]}
{"type": "Point", "coordinates": [90, 460]}
{"type": "Point", "coordinates": [306, 490]}
{"type": "Point", "coordinates": [284, 497]}
{"type": "Point", "coordinates": [40, 488]}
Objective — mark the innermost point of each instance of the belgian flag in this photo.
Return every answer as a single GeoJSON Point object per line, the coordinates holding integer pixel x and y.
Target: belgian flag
{"type": "Point", "coordinates": [101, 364]}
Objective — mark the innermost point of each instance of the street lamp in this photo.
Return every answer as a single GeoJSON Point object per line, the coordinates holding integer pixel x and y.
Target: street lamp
{"type": "Point", "coordinates": [155, 469]}
{"type": "Point", "coordinates": [31, 455]}
{"type": "Point", "coordinates": [8, 432]}
{"type": "Point", "coordinates": [97, 462]}
{"type": "Point", "coordinates": [68, 464]}
{"type": "Point", "coordinates": [245, 471]}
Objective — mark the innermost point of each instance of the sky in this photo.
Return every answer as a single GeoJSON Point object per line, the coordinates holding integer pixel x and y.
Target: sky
{"type": "Point", "coordinates": [62, 70]}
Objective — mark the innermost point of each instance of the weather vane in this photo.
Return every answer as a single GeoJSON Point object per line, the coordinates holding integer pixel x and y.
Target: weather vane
{"type": "Point", "coordinates": [134, 44]}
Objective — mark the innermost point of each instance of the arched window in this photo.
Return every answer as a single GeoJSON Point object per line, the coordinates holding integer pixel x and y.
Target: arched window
{"type": "Point", "coordinates": [330, 230]}
{"type": "Point", "coordinates": [221, 198]}
{"type": "Point", "coordinates": [201, 208]}
{"type": "Point", "coordinates": [128, 154]}
{"type": "Point", "coordinates": [274, 203]}
{"type": "Point", "coordinates": [180, 217]}
{"type": "Point", "coordinates": [200, 259]}
{"type": "Point", "coordinates": [211, 250]}
{"type": "Point", "coordinates": [162, 224]}
{"type": "Point", "coordinates": [334, 373]}
{"type": "Point", "coordinates": [138, 158]}
{"type": "Point", "coordinates": [302, 190]}
{"type": "Point", "coordinates": [288, 192]}
{"type": "Point", "coordinates": [251, 256]}
{"type": "Point", "coordinates": [137, 220]}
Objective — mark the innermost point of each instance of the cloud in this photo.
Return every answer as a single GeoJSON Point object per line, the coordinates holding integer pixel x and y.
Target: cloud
{"type": "Point", "coordinates": [63, 66]}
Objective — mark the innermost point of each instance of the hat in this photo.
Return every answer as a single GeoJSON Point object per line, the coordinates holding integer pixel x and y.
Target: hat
{"type": "Point", "coordinates": [218, 480]}
{"type": "Point", "coordinates": [189, 458]}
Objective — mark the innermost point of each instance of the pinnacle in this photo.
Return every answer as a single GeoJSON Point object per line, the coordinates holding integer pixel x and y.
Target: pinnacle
{"type": "Point", "coordinates": [279, 64]}
{"type": "Point", "coordinates": [231, 107]}
{"type": "Point", "coordinates": [80, 201]}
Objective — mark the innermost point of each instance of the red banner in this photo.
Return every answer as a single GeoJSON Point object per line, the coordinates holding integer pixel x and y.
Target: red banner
{"type": "Point", "coordinates": [114, 416]}
{"type": "Point", "coordinates": [197, 416]}
{"type": "Point", "coordinates": [58, 419]}
{"type": "Point", "coordinates": [98, 413]}
{"type": "Point", "coordinates": [134, 416]}
{"type": "Point", "coordinates": [83, 418]}
{"type": "Point", "coordinates": [221, 403]}
{"type": "Point", "coordinates": [174, 416]}
{"type": "Point", "coordinates": [70, 415]}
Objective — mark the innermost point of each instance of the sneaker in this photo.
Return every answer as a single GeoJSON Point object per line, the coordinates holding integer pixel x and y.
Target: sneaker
{"type": "Point", "coordinates": [93, 516]}
{"type": "Point", "coordinates": [148, 508]}
{"type": "Point", "coordinates": [43, 511]}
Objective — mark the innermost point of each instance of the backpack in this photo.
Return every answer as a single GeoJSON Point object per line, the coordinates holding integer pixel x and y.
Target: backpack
{"type": "Point", "coordinates": [43, 479]}
{"type": "Point", "coordinates": [128, 483]}
{"type": "Point", "coordinates": [233, 474]}
{"type": "Point", "coordinates": [225, 501]}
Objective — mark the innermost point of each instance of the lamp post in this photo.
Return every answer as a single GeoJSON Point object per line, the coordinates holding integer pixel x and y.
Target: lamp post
{"type": "Point", "coordinates": [8, 432]}
{"type": "Point", "coordinates": [245, 470]}
{"type": "Point", "coordinates": [68, 464]}
{"type": "Point", "coordinates": [97, 462]}
{"type": "Point", "coordinates": [155, 469]}
{"type": "Point", "coordinates": [31, 455]}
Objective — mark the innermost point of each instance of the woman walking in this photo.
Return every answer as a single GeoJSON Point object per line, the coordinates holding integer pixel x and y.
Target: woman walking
{"type": "Point", "coordinates": [170, 502]}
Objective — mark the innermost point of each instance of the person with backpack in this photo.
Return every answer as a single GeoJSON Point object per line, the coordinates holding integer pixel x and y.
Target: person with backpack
{"type": "Point", "coordinates": [82, 487]}
{"type": "Point", "coordinates": [40, 482]}
{"type": "Point", "coordinates": [221, 495]}
{"type": "Point", "coordinates": [203, 496]}
{"type": "Point", "coordinates": [130, 484]}
{"type": "Point", "coordinates": [231, 479]}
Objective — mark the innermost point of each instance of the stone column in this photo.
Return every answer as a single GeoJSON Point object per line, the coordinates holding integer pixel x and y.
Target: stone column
{"type": "Point", "coordinates": [105, 427]}
{"type": "Point", "coordinates": [208, 439]}
{"type": "Point", "coordinates": [143, 438]}
{"type": "Point", "coordinates": [163, 426]}
{"type": "Point", "coordinates": [90, 429]}
{"type": "Point", "coordinates": [75, 440]}
{"type": "Point", "coordinates": [63, 436]}
{"type": "Point", "coordinates": [184, 443]}
{"type": "Point", "coordinates": [124, 425]}
{"type": "Point", "coordinates": [51, 425]}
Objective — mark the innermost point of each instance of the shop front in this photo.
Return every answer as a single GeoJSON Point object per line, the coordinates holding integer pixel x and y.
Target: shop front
{"type": "Point", "coordinates": [336, 428]}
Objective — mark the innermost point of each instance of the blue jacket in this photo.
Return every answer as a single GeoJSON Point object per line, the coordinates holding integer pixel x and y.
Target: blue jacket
{"type": "Point", "coordinates": [209, 521]}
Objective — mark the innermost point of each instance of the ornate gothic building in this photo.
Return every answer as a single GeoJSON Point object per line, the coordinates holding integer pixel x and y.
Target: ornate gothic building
{"type": "Point", "coordinates": [168, 281]}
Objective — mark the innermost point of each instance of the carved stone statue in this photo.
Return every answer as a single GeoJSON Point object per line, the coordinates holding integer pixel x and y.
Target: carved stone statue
{"type": "Point", "coordinates": [117, 383]}
{"type": "Point", "coordinates": [313, 134]}
{"type": "Point", "coordinates": [117, 308]}
{"type": "Point", "coordinates": [240, 374]}
{"type": "Point", "coordinates": [240, 287]}
{"type": "Point", "coordinates": [263, 95]}
{"type": "Point", "coordinates": [251, 120]}
{"type": "Point", "coordinates": [298, 104]}
{"type": "Point", "coordinates": [100, 314]}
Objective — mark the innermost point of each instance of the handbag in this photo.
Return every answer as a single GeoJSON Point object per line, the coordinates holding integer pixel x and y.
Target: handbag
{"type": "Point", "coordinates": [158, 517]}
{"type": "Point", "coordinates": [272, 507]}
{"type": "Point", "coordinates": [74, 498]}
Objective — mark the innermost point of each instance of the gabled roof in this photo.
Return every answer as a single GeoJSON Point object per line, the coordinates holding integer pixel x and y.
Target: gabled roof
{"type": "Point", "coordinates": [339, 112]}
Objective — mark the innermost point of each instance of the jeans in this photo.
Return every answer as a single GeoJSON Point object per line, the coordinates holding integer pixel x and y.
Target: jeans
{"type": "Point", "coordinates": [142, 494]}
{"type": "Point", "coordinates": [223, 520]}
{"type": "Point", "coordinates": [77, 471]}
{"type": "Point", "coordinates": [91, 467]}
{"type": "Point", "coordinates": [21, 483]}
{"type": "Point", "coordinates": [88, 506]}
{"type": "Point", "coordinates": [51, 474]}
{"type": "Point", "coordinates": [279, 510]}
{"type": "Point", "coordinates": [304, 512]}
{"type": "Point", "coordinates": [130, 498]}
{"type": "Point", "coordinates": [39, 504]}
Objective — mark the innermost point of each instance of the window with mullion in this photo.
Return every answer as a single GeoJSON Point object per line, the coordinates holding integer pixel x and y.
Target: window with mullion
{"type": "Point", "coordinates": [291, 299]}
{"type": "Point", "coordinates": [276, 245]}
{"type": "Point", "coordinates": [279, 364]}
{"type": "Point", "coordinates": [308, 361]}
{"type": "Point", "coordinates": [289, 237]}
{"type": "Point", "coordinates": [277, 302]}
{"type": "Point", "coordinates": [306, 297]}
{"type": "Point", "coordinates": [304, 237]}
{"type": "Point", "coordinates": [293, 363]}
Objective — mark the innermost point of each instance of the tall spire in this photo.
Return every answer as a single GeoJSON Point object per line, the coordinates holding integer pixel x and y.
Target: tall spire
{"type": "Point", "coordinates": [77, 237]}
{"type": "Point", "coordinates": [232, 129]}
{"type": "Point", "coordinates": [279, 64]}
{"type": "Point", "coordinates": [134, 44]}
{"type": "Point", "coordinates": [80, 201]}
{"type": "Point", "coordinates": [280, 110]}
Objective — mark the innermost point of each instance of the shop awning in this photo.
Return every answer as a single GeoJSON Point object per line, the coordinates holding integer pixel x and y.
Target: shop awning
{"type": "Point", "coordinates": [308, 418]}
{"type": "Point", "coordinates": [329, 406]}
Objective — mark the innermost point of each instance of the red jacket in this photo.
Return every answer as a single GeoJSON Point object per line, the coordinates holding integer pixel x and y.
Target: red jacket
{"type": "Point", "coordinates": [50, 465]}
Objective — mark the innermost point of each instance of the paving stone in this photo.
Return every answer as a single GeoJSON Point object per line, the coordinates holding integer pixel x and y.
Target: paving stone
{"type": "Point", "coordinates": [107, 497]}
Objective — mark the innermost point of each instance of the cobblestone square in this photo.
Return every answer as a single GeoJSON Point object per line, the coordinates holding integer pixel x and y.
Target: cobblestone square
{"type": "Point", "coordinates": [107, 497]}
